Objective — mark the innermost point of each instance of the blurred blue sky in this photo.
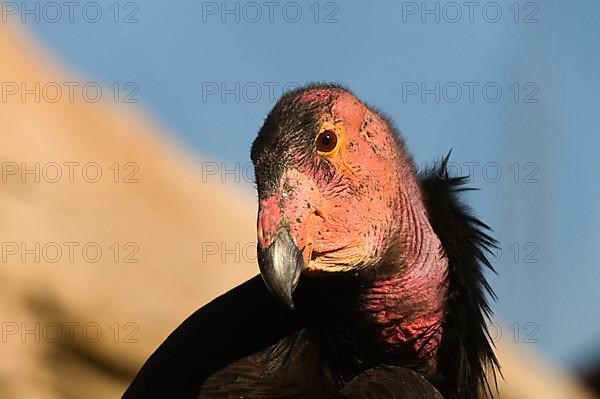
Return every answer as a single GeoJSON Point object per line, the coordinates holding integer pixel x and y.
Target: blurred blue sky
{"type": "Point", "coordinates": [531, 147]}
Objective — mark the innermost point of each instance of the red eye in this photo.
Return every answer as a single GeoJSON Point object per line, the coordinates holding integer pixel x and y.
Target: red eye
{"type": "Point", "coordinates": [326, 141]}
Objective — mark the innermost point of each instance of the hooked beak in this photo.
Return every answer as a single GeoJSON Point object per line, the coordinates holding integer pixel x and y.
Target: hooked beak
{"type": "Point", "coordinates": [280, 265]}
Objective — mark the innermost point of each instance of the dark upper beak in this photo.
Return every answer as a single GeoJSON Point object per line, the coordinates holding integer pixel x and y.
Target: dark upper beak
{"type": "Point", "coordinates": [280, 266]}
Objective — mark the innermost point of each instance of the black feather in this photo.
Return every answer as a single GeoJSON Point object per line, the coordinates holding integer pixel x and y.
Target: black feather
{"type": "Point", "coordinates": [466, 350]}
{"type": "Point", "coordinates": [390, 383]}
{"type": "Point", "coordinates": [239, 323]}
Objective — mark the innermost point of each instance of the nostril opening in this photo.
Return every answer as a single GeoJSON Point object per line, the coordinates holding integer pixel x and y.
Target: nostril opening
{"type": "Point", "coordinates": [318, 213]}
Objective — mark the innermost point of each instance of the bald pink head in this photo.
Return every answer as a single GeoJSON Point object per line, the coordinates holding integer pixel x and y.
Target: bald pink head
{"type": "Point", "coordinates": [329, 169]}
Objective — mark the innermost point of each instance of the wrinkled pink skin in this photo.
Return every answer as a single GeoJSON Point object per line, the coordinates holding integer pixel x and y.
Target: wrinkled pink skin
{"type": "Point", "coordinates": [349, 224]}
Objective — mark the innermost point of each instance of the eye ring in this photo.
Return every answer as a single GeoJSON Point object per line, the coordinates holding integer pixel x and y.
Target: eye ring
{"type": "Point", "coordinates": [327, 141]}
